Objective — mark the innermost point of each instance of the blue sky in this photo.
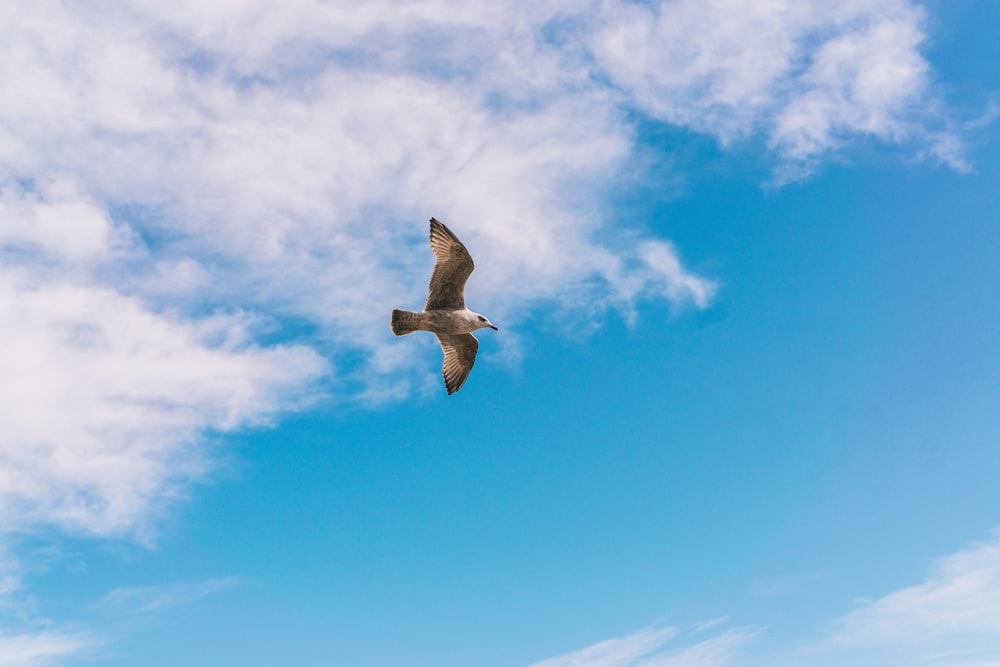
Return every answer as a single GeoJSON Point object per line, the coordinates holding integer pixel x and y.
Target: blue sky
{"type": "Point", "coordinates": [741, 410]}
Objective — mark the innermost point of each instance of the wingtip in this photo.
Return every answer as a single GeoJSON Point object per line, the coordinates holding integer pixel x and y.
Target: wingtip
{"type": "Point", "coordinates": [452, 388]}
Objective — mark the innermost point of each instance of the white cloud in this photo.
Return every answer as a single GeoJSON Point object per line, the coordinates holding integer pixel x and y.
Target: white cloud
{"type": "Point", "coordinates": [104, 400]}
{"type": "Point", "coordinates": [39, 648]}
{"type": "Point", "coordinates": [807, 75]}
{"type": "Point", "coordinates": [858, 81]}
{"type": "Point", "coordinates": [952, 619]}
{"type": "Point", "coordinates": [70, 229]}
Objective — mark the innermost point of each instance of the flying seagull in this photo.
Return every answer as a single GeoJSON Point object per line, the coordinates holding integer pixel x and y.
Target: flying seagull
{"type": "Point", "coordinates": [445, 313]}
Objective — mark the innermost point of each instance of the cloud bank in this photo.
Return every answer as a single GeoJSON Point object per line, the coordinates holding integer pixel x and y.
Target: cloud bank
{"type": "Point", "coordinates": [207, 209]}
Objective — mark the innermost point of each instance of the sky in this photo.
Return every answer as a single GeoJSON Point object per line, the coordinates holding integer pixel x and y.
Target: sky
{"type": "Point", "coordinates": [741, 410]}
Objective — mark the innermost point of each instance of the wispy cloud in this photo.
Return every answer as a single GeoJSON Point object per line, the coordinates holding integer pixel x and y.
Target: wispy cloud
{"type": "Point", "coordinates": [951, 619]}
{"type": "Point", "coordinates": [611, 652]}
{"type": "Point", "coordinates": [28, 638]}
{"type": "Point", "coordinates": [652, 647]}
{"type": "Point", "coordinates": [160, 598]}
{"type": "Point", "coordinates": [40, 648]}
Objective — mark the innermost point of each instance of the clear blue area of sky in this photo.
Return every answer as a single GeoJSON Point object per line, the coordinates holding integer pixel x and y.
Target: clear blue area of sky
{"type": "Point", "coordinates": [832, 417]}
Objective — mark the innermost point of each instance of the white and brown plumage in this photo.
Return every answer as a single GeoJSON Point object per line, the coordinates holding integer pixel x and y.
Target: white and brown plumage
{"type": "Point", "coordinates": [445, 313]}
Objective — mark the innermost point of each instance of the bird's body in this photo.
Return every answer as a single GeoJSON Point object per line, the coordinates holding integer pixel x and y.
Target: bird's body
{"type": "Point", "coordinates": [445, 313]}
{"type": "Point", "coordinates": [442, 321]}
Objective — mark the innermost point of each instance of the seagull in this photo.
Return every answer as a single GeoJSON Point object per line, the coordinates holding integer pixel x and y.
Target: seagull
{"type": "Point", "coordinates": [445, 313]}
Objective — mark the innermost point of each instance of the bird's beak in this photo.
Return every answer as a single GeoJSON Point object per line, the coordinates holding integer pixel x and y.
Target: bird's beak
{"type": "Point", "coordinates": [494, 327]}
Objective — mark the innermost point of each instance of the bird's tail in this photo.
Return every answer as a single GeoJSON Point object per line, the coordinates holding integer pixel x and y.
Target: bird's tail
{"type": "Point", "coordinates": [404, 321]}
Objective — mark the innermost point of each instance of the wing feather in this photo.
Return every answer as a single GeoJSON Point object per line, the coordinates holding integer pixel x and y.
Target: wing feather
{"type": "Point", "coordinates": [459, 357]}
{"type": "Point", "coordinates": [453, 267]}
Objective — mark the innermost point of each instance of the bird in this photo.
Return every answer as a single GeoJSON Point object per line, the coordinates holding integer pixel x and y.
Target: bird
{"type": "Point", "coordinates": [445, 314]}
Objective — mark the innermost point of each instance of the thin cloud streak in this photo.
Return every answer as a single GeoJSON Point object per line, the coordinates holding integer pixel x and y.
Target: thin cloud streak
{"type": "Point", "coordinates": [156, 599]}
{"type": "Point", "coordinates": [652, 648]}
{"type": "Point", "coordinates": [614, 652]}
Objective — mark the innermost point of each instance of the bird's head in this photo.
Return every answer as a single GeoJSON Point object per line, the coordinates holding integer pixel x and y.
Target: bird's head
{"type": "Point", "coordinates": [484, 323]}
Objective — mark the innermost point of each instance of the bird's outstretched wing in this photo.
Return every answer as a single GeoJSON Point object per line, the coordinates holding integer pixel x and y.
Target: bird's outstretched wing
{"type": "Point", "coordinates": [452, 269]}
{"type": "Point", "coordinates": [459, 357]}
